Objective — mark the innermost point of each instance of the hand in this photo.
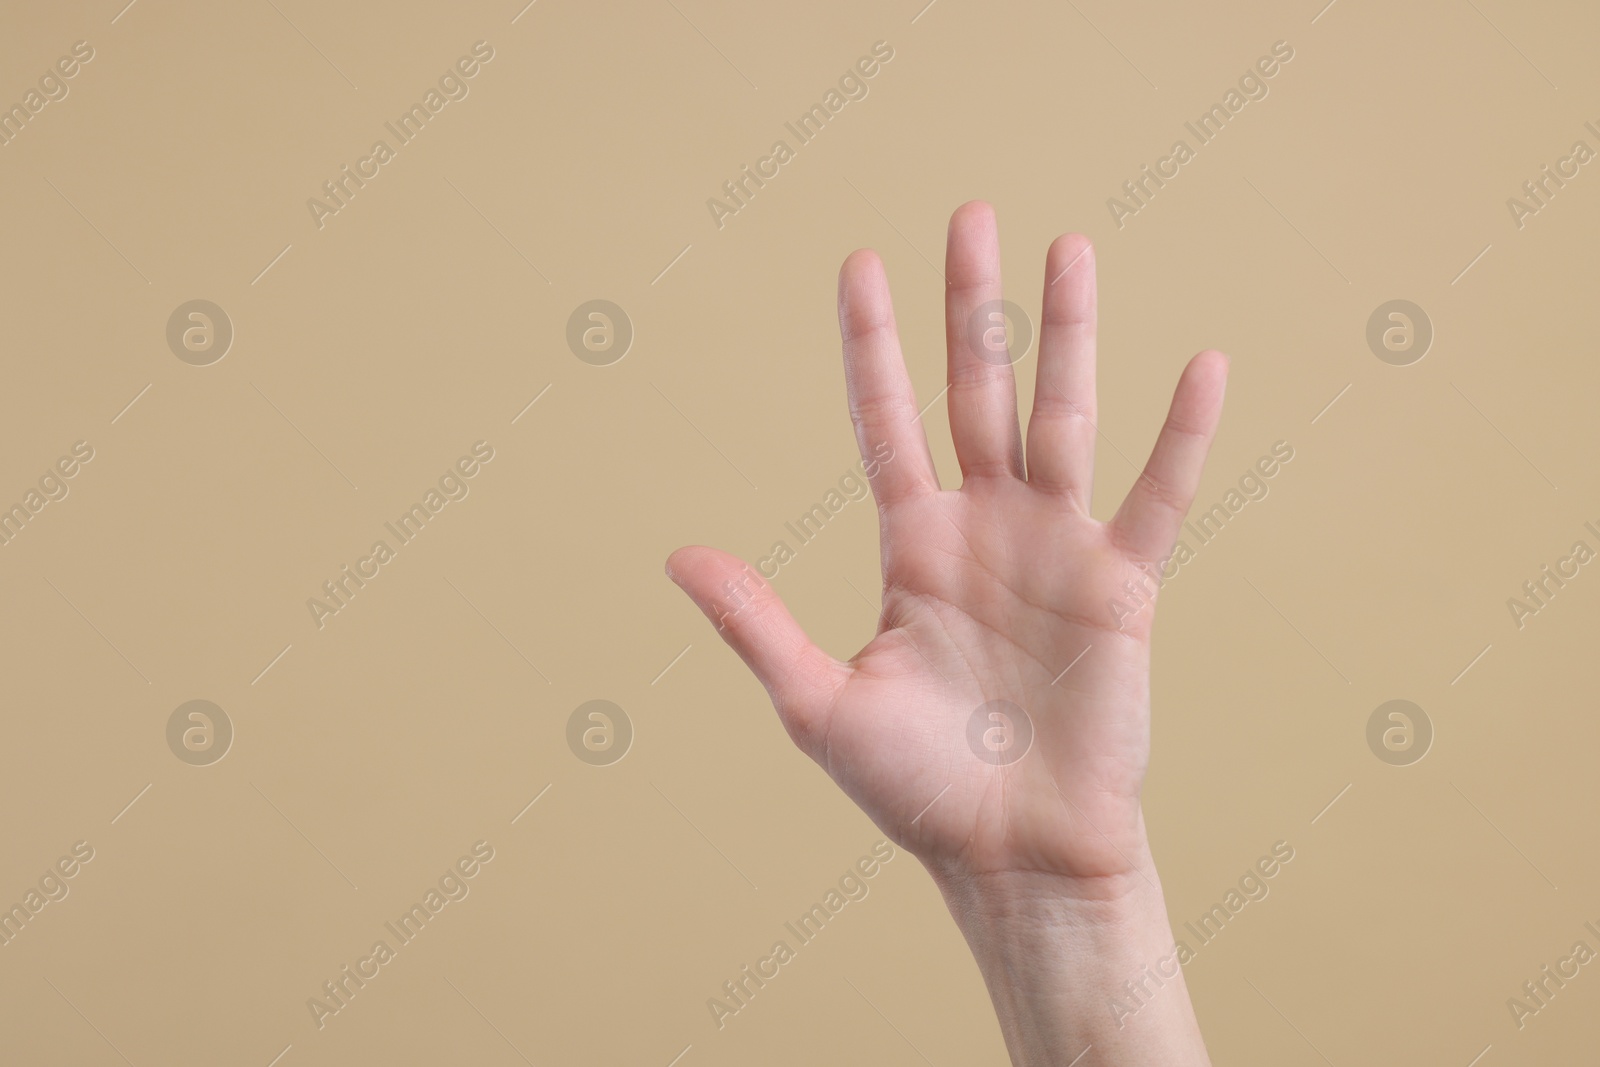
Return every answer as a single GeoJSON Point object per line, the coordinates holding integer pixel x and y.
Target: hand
{"type": "Point", "coordinates": [991, 592]}
{"type": "Point", "coordinates": [1005, 594]}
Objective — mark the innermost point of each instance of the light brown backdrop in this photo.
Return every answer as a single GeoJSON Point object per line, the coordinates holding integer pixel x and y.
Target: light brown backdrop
{"type": "Point", "coordinates": [373, 351]}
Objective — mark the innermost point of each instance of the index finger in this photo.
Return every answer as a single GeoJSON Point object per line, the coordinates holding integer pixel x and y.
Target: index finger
{"type": "Point", "coordinates": [883, 405]}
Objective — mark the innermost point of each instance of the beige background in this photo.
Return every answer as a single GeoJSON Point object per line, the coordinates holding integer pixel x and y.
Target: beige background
{"type": "Point", "coordinates": [426, 316]}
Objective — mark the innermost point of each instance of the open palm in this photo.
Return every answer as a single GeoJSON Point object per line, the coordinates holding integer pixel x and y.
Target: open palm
{"type": "Point", "coordinates": [999, 720]}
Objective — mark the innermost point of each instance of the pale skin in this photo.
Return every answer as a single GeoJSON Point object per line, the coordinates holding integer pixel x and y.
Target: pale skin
{"type": "Point", "coordinates": [990, 592]}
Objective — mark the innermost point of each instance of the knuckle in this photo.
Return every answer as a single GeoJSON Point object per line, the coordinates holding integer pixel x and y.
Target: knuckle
{"type": "Point", "coordinates": [857, 329]}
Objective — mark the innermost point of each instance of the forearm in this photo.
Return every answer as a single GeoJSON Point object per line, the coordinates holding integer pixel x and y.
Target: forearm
{"type": "Point", "coordinates": [1071, 965]}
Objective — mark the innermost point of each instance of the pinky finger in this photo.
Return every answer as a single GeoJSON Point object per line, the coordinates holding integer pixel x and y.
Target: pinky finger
{"type": "Point", "coordinates": [1148, 522]}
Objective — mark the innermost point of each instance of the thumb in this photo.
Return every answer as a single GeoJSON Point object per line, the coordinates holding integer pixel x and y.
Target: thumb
{"type": "Point", "coordinates": [801, 678]}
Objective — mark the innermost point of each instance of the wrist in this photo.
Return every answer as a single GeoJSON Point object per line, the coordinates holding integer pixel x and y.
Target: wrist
{"type": "Point", "coordinates": [1074, 962]}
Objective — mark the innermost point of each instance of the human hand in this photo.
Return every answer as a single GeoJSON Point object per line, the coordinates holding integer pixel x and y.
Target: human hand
{"type": "Point", "coordinates": [1005, 590]}
{"type": "Point", "coordinates": [1002, 590]}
